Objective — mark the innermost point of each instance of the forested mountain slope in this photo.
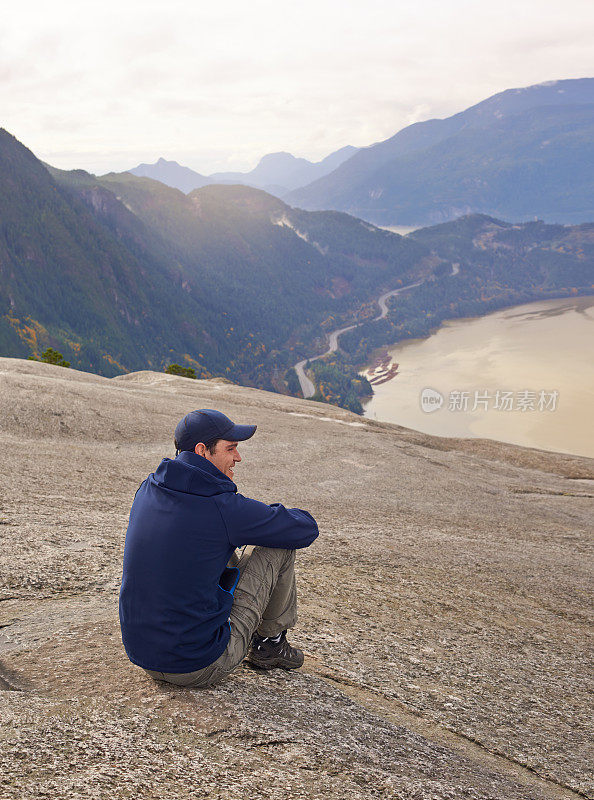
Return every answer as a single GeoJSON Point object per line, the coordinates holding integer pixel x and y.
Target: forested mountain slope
{"type": "Point", "coordinates": [123, 272]}
{"type": "Point", "coordinates": [521, 154]}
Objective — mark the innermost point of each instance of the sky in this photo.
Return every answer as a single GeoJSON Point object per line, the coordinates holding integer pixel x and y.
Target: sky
{"type": "Point", "coordinates": [215, 86]}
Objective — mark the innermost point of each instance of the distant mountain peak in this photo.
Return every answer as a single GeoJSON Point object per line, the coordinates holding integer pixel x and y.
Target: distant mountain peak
{"type": "Point", "coordinates": [282, 154]}
{"type": "Point", "coordinates": [276, 173]}
{"type": "Point", "coordinates": [171, 174]}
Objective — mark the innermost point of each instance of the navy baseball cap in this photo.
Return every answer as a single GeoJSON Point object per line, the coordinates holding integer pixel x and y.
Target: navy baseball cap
{"type": "Point", "coordinates": [207, 424]}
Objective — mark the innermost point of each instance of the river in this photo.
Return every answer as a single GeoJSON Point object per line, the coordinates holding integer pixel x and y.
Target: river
{"type": "Point", "coordinates": [523, 375]}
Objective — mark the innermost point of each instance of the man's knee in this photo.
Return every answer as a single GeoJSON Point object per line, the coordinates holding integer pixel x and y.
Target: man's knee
{"type": "Point", "coordinates": [290, 558]}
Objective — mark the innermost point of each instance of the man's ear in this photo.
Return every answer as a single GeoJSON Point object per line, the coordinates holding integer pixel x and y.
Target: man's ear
{"type": "Point", "coordinates": [200, 449]}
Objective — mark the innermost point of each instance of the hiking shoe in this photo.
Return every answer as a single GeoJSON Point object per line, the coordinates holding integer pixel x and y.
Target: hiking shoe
{"type": "Point", "coordinates": [267, 654]}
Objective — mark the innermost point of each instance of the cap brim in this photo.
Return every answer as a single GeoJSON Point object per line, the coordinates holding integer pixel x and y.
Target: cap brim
{"type": "Point", "coordinates": [239, 433]}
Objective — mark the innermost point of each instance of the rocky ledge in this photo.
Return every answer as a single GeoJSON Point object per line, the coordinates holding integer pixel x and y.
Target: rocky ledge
{"type": "Point", "coordinates": [443, 609]}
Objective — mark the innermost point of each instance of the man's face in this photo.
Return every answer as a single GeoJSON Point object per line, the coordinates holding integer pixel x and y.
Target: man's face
{"type": "Point", "coordinates": [224, 457]}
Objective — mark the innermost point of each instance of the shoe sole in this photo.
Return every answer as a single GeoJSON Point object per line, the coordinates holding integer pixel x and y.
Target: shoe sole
{"type": "Point", "coordinates": [272, 665]}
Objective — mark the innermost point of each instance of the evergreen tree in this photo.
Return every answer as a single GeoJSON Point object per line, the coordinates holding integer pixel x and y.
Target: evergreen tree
{"type": "Point", "coordinates": [184, 372]}
{"type": "Point", "coordinates": [51, 356]}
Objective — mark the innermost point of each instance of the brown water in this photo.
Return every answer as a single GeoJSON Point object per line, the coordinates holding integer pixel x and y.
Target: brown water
{"type": "Point", "coordinates": [525, 350]}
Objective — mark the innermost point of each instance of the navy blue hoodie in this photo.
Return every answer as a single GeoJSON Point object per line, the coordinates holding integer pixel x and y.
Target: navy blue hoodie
{"type": "Point", "coordinates": [185, 522]}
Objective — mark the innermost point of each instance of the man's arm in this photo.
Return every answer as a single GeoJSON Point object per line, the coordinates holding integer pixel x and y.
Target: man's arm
{"type": "Point", "coordinates": [252, 522]}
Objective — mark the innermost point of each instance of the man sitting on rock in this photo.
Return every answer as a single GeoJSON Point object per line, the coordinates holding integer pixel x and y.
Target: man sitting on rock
{"type": "Point", "coordinates": [191, 609]}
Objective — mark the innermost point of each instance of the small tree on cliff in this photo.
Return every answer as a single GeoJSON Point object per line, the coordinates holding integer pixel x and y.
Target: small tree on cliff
{"type": "Point", "coordinates": [51, 356]}
{"type": "Point", "coordinates": [177, 369]}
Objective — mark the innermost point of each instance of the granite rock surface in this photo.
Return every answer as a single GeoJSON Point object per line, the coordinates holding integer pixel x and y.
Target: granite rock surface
{"type": "Point", "coordinates": [443, 609]}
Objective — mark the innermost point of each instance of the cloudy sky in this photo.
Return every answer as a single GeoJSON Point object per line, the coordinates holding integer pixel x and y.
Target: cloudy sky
{"type": "Point", "coordinates": [217, 85]}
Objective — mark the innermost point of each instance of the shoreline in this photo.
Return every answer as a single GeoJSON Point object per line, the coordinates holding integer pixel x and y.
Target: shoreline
{"type": "Point", "coordinates": [384, 348]}
{"type": "Point", "coordinates": [442, 369]}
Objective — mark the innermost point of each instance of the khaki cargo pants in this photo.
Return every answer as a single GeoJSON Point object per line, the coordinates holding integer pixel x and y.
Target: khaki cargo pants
{"type": "Point", "coordinates": [265, 600]}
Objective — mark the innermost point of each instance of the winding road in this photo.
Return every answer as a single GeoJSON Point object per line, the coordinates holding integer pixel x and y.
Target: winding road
{"type": "Point", "coordinates": [307, 386]}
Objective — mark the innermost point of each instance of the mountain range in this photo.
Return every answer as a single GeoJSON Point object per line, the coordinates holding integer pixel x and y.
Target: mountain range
{"type": "Point", "coordinates": [521, 154]}
{"type": "Point", "coordinates": [122, 273]}
{"type": "Point", "coordinates": [276, 173]}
